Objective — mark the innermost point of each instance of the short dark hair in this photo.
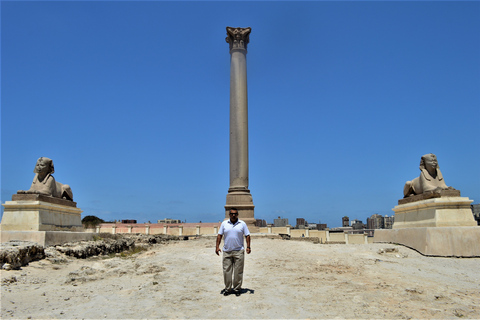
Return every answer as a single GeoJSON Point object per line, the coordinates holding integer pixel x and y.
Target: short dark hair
{"type": "Point", "coordinates": [234, 209]}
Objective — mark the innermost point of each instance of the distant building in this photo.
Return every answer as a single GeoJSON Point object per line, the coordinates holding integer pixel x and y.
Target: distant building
{"type": "Point", "coordinates": [357, 224]}
{"type": "Point", "coordinates": [321, 226]}
{"type": "Point", "coordinates": [280, 222]}
{"type": "Point", "coordinates": [345, 222]}
{"type": "Point", "coordinates": [129, 221]}
{"type": "Point", "coordinates": [341, 229]}
{"type": "Point", "coordinates": [388, 222]}
{"type": "Point", "coordinates": [476, 212]}
{"type": "Point", "coordinates": [260, 223]}
{"type": "Point", "coordinates": [377, 221]}
{"type": "Point", "coordinates": [300, 223]}
{"type": "Point", "coordinates": [168, 220]}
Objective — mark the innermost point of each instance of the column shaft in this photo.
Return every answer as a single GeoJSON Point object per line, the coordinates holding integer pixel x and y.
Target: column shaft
{"type": "Point", "coordinates": [238, 122]}
{"type": "Point", "coordinates": [239, 196]}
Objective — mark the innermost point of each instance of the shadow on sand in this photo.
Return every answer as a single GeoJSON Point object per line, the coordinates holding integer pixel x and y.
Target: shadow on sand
{"type": "Point", "coordinates": [242, 291]}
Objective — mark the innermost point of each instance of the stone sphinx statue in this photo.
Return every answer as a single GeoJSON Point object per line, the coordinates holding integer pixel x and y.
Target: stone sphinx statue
{"type": "Point", "coordinates": [44, 183]}
{"type": "Point", "coordinates": [430, 179]}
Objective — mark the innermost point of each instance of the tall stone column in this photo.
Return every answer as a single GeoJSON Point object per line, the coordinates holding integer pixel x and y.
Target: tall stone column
{"type": "Point", "coordinates": [238, 194]}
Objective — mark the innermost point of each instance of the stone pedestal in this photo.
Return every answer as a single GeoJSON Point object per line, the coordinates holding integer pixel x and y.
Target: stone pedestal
{"type": "Point", "coordinates": [438, 225]}
{"type": "Point", "coordinates": [435, 241]}
{"type": "Point", "coordinates": [435, 212]}
{"type": "Point", "coordinates": [46, 238]}
{"type": "Point", "coordinates": [244, 204]}
{"type": "Point", "coordinates": [42, 219]}
{"type": "Point", "coordinates": [34, 212]}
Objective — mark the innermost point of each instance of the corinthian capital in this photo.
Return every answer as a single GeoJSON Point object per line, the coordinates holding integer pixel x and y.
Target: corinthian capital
{"type": "Point", "coordinates": [238, 38]}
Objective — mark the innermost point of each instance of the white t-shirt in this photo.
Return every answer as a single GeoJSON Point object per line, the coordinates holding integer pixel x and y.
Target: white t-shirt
{"type": "Point", "coordinates": [233, 235]}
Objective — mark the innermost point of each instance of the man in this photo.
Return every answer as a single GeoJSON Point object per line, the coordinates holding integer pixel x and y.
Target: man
{"type": "Point", "coordinates": [233, 251]}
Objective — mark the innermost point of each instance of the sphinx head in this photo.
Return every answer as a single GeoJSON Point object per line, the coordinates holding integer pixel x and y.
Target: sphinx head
{"type": "Point", "coordinates": [44, 166]}
{"type": "Point", "coordinates": [429, 162]}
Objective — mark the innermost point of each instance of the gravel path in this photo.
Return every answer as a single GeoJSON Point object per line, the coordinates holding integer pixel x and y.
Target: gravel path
{"type": "Point", "coordinates": [284, 279]}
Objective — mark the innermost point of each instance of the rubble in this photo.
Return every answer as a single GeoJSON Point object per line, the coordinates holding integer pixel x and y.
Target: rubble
{"type": "Point", "coordinates": [14, 254]}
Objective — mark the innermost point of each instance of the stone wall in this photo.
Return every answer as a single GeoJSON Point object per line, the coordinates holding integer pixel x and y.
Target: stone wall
{"type": "Point", "coordinates": [211, 229]}
{"type": "Point", "coordinates": [324, 236]}
{"type": "Point", "coordinates": [175, 229]}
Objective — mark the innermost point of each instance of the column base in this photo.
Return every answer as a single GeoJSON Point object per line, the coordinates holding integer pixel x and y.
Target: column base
{"type": "Point", "coordinates": [243, 202]}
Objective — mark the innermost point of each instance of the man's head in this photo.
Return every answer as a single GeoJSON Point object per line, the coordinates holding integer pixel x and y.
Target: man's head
{"type": "Point", "coordinates": [233, 215]}
{"type": "Point", "coordinates": [44, 165]}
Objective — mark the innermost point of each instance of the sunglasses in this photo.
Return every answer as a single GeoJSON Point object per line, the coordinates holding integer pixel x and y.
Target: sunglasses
{"type": "Point", "coordinates": [234, 214]}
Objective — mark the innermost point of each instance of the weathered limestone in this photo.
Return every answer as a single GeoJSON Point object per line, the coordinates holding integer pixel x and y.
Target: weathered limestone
{"type": "Point", "coordinates": [435, 241]}
{"type": "Point", "coordinates": [44, 183]}
{"type": "Point", "coordinates": [430, 179]}
{"type": "Point", "coordinates": [430, 195]}
{"type": "Point", "coordinates": [42, 219]}
{"type": "Point", "coordinates": [45, 214]}
{"type": "Point", "coordinates": [238, 194]}
{"type": "Point", "coordinates": [15, 254]}
{"type": "Point", "coordinates": [19, 253]}
{"type": "Point", "coordinates": [46, 238]}
{"type": "Point", "coordinates": [433, 218]}
{"type": "Point", "coordinates": [435, 212]}
{"type": "Point", "coordinates": [36, 212]}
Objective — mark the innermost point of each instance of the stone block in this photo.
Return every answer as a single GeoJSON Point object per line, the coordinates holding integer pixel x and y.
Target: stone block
{"type": "Point", "coordinates": [435, 241]}
{"type": "Point", "coordinates": [244, 203]}
{"type": "Point", "coordinates": [429, 195]}
{"type": "Point", "coordinates": [41, 197]}
{"type": "Point", "coordinates": [46, 238]}
{"type": "Point", "coordinates": [435, 212]}
{"type": "Point", "coordinates": [32, 212]}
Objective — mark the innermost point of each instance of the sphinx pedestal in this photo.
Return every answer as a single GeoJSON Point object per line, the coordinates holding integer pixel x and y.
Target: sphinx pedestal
{"type": "Point", "coordinates": [42, 219]}
{"type": "Point", "coordinates": [438, 226]}
{"type": "Point", "coordinates": [435, 212]}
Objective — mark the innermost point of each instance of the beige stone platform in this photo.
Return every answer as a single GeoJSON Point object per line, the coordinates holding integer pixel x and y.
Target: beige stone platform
{"type": "Point", "coordinates": [34, 212]}
{"type": "Point", "coordinates": [46, 238]}
{"type": "Point", "coordinates": [439, 226]}
{"type": "Point", "coordinates": [435, 241]}
{"type": "Point", "coordinates": [42, 219]}
{"type": "Point", "coordinates": [435, 212]}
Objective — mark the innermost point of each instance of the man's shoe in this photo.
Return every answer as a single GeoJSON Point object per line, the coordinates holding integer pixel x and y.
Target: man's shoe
{"type": "Point", "coordinates": [237, 293]}
{"type": "Point", "coordinates": [226, 293]}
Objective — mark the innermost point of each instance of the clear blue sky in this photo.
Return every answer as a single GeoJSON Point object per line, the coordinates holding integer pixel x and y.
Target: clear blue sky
{"type": "Point", "coordinates": [131, 101]}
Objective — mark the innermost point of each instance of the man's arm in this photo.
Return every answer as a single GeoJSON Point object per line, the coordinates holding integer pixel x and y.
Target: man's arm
{"type": "Point", "coordinates": [248, 244]}
{"type": "Point", "coordinates": [217, 246]}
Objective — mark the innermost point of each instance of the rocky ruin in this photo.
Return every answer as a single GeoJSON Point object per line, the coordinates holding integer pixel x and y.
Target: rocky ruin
{"type": "Point", "coordinates": [15, 254]}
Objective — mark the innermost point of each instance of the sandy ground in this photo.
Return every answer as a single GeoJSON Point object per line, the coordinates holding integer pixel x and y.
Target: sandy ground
{"type": "Point", "coordinates": [283, 279]}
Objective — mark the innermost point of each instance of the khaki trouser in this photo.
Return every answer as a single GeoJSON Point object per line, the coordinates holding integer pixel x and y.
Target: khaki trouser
{"type": "Point", "coordinates": [233, 263]}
